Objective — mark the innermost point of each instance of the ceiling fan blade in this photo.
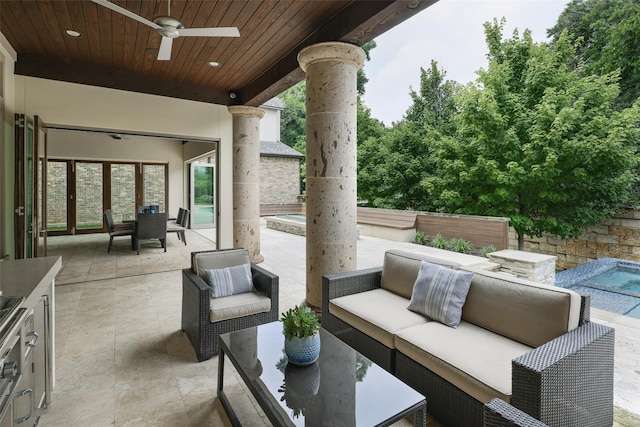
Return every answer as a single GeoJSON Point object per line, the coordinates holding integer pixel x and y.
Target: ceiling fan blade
{"type": "Point", "coordinates": [126, 12]}
{"type": "Point", "coordinates": [210, 32]}
{"type": "Point", "coordinates": [164, 53]}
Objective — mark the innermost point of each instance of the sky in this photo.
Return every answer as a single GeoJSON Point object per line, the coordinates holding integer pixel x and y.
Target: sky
{"type": "Point", "coordinates": [450, 32]}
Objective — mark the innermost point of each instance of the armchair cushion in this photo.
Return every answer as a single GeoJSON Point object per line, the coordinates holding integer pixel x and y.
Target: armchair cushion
{"type": "Point", "coordinates": [439, 293]}
{"type": "Point", "coordinates": [235, 306]}
{"type": "Point", "coordinates": [230, 280]}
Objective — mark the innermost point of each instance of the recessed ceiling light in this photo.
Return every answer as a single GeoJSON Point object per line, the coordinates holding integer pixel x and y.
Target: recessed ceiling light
{"type": "Point", "coordinates": [72, 33]}
{"type": "Point", "coordinates": [214, 64]}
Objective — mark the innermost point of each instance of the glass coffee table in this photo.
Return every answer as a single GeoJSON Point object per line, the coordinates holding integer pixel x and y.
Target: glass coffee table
{"type": "Point", "coordinates": [343, 387]}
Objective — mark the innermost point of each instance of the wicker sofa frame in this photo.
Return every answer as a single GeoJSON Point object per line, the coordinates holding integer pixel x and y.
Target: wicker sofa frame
{"type": "Point", "coordinates": [196, 322]}
{"type": "Point", "coordinates": [565, 382]}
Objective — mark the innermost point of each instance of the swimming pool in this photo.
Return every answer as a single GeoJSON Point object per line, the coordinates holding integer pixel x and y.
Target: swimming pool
{"type": "Point", "coordinates": [614, 284]}
{"type": "Point", "coordinates": [293, 217]}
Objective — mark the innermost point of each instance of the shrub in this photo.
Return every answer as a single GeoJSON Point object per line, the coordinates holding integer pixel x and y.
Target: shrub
{"type": "Point", "coordinates": [420, 238]}
{"type": "Point", "coordinates": [460, 245]}
{"type": "Point", "coordinates": [440, 242]}
{"type": "Point", "coordinates": [487, 250]}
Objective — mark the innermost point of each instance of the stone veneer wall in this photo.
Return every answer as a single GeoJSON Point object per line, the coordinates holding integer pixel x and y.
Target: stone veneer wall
{"type": "Point", "coordinates": [279, 180]}
{"type": "Point", "coordinates": [618, 237]}
{"type": "Point", "coordinates": [527, 265]}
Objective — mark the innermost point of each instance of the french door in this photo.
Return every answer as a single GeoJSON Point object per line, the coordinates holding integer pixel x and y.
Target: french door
{"type": "Point", "coordinates": [29, 191]}
{"type": "Point", "coordinates": [202, 195]}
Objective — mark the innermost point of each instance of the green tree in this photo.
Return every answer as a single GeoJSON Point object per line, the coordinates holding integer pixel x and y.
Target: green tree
{"type": "Point", "coordinates": [434, 104]}
{"type": "Point", "coordinates": [391, 168]}
{"type": "Point", "coordinates": [362, 78]}
{"type": "Point", "coordinates": [607, 35]}
{"type": "Point", "coordinates": [537, 141]}
{"type": "Point", "coordinates": [393, 165]}
{"type": "Point", "coordinates": [293, 122]}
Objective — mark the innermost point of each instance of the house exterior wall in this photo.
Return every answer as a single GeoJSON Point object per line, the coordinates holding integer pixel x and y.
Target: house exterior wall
{"type": "Point", "coordinates": [270, 125]}
{"type": "Point", "coordinates": [279, 180]}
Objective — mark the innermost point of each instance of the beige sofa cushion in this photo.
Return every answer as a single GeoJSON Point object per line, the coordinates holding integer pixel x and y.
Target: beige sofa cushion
{"type": "Point", "coordinates": [529, 312]}
{"type": "Point", "coordinates": [377, 313]}
{"type": "Point", "coordinates": [201, 261]}
{"type": "Point", "coordinates": [400, 270]}
{"type": "Point", "coordinates": [238, 305]}
{"type": "Point", "coordinates": [473, 359]}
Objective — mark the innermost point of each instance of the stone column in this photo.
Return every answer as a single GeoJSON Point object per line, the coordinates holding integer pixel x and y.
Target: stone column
{"type": "Point", "coordinates": [331, 161]}
{"type": "Point", "coordinates": [246, 179]}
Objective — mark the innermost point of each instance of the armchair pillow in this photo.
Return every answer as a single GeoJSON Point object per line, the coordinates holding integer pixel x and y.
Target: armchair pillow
{"type": "Point", "coordinates": [230, 280]}
{"type": "Point", "coordinates": [439, 293]}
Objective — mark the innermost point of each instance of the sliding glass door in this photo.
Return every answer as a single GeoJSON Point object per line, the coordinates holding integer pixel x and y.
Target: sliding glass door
{"type": "Point", "coordinates": [203, 195]}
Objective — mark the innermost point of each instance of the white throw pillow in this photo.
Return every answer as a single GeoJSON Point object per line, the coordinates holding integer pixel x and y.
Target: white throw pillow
{"type": "Point", "coordinates": [439, 293]}
{"type": "Point", "coordinates": [230, 280]}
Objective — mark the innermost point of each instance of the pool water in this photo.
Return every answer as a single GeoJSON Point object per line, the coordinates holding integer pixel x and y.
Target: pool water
{"type": "Point", "coordinates": [619, 279]}
{"type": "Point", "coordinates": [613, 284]}
{"type": "Point", "coordinates": [293, 217]}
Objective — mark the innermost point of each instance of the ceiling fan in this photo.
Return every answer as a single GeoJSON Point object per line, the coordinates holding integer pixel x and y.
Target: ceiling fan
{"type": "Point", "coordinates": [170, 28]}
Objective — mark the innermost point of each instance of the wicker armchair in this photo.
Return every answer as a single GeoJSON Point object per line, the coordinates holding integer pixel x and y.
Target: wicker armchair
{"type": "Point", "coordinates": [198, 309]}
{"type": "Point", "coordinates": [498, 413]}
{"type": "Point", "coordinates": [151, 226]}
{"type": "Point", "coordinates": [118, 230]}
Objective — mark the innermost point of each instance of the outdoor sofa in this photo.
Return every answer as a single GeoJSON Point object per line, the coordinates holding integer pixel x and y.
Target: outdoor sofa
{"type": "Point", "coordinates": [522, 352]}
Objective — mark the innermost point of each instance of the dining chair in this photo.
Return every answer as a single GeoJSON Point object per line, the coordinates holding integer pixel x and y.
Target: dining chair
{"type": "Point", "coordinates": [118, 230]}
{"type": "Point", "coordinates": [151, 226]}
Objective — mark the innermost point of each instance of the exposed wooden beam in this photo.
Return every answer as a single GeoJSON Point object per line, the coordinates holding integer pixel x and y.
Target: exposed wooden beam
{"type": "Point", "coordinates": [99, 76]}
{"type": "Point", "coordinates": [379, 17]}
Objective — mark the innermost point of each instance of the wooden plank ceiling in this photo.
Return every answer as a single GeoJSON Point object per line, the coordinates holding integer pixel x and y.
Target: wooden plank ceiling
{"type": "Point", "coordinates": [119, 52]}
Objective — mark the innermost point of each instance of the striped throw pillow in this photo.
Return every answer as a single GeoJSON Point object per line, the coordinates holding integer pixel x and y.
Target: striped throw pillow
{"type": "Point", "coordinates": [230, 280]}
{"type": "Point", "coordinates": [439, 293]}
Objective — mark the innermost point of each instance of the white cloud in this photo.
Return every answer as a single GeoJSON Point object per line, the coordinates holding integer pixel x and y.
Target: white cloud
{"type": "Point", "coordinates": [452, 33]}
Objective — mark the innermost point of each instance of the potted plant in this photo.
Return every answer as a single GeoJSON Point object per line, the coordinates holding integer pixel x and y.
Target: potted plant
{"type": "Point", "coordinates": [300, 326]}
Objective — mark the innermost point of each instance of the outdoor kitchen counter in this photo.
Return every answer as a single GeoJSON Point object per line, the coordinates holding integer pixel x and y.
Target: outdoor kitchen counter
{"type": "Point", "coordinates": [19, 278]}
{"type": "Point", "coordinates": [34, 280]}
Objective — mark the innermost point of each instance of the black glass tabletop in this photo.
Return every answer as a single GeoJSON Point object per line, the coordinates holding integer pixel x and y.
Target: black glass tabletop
{"type": "Point", "coordinates": [342, 386]}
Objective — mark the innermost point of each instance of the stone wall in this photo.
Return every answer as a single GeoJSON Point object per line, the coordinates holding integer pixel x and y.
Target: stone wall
{"type": "Point", "coordinates": [154, 185]}
{"type": "Point", "coordinates": [618, 237]}
{"type": "Point", "coordinates": [89, 179]}
{"type": "Point", "coordinates": [531, 266]}
{"type": "Point", "coordinates": [279, 180]}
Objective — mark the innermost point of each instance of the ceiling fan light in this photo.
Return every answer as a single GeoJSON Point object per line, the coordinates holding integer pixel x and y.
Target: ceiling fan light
{"type": "Point", "coordinates": [214, 63]}
{"type": "Point", "coordinates": [72, 33]}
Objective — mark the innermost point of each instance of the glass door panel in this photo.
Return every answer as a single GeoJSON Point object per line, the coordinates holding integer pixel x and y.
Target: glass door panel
{"type": "Point", "coordinates": [42, 159]}
{"type": "Point", "coordinates": [57, 191]}
{"type": "Point", "coordinates": [154, 185]}
{"type": "Point", "coordinates": [202, 195]}
{"type": "Point", "coordinates": [25, 153]}
{"type": "Point", "coordinates": [123, 191]}
{"type": "Point", "coordinates": [89, 186]}
{"type": "Point", "coordinates": [29, 191]}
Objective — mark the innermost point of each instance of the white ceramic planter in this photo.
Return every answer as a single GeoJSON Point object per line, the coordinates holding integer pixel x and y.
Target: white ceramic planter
{"type": "Point", "coordinates": [302, 351]}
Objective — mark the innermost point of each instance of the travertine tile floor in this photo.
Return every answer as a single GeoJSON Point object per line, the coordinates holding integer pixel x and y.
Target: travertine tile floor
{"type": "Point", "coordinates": [121, 358]}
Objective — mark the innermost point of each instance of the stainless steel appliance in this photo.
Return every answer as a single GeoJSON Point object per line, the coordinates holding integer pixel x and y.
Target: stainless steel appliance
{"type": "Point", "coordinates": [12, 364]}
